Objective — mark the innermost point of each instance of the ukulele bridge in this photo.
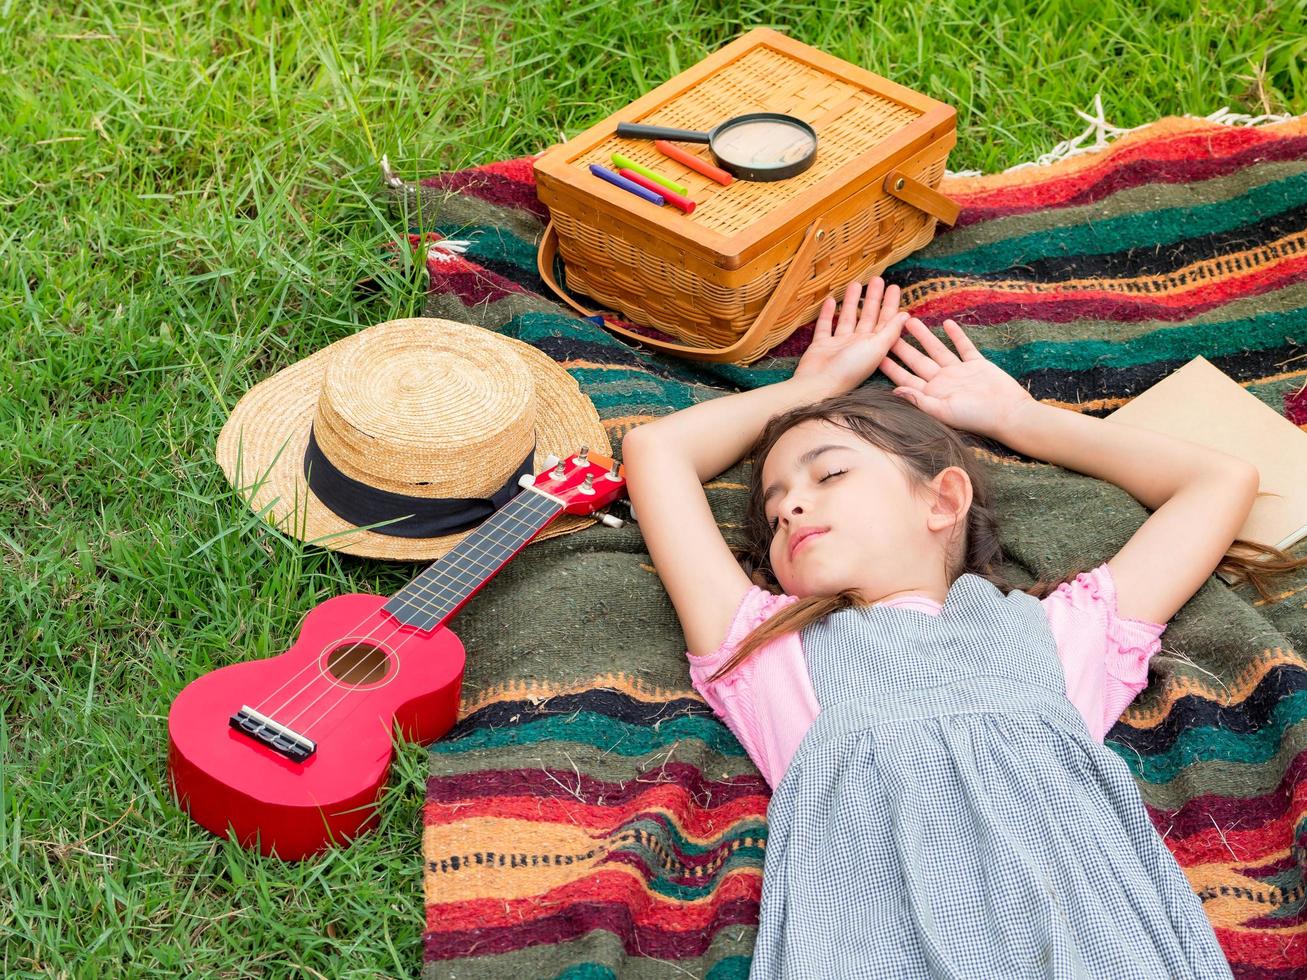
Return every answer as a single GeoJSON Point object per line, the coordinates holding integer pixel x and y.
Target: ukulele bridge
{"type": "Point", "coordinates": [273, 734]}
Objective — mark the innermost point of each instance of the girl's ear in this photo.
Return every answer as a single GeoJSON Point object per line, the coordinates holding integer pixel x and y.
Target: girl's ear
{"type": "Point", "coordinates": [952, 489]}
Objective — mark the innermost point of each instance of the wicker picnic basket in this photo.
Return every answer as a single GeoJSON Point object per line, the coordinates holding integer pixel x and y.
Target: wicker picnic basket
{"type": "Point", "coordinates": [753, 261]}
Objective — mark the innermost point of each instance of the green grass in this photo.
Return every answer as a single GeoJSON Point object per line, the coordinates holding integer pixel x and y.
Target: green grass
{"type": "Point", "coordinates": [188, 192]}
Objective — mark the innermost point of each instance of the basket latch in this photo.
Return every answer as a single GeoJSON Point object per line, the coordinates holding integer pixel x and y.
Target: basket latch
{"type": "Point", "coordinates": [914, 192]}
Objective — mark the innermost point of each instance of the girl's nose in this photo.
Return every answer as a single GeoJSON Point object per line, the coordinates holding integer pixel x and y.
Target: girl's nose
{"type": "Point", "coordinates": [791, 508]}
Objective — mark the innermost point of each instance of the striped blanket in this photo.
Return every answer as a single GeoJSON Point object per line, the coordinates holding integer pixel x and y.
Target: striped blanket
{"type": "Point", "coordinates": [588, 817]}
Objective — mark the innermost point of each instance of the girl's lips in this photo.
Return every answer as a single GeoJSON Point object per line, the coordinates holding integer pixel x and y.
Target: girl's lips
{"type": "Point", "coordinates": [804, 539]}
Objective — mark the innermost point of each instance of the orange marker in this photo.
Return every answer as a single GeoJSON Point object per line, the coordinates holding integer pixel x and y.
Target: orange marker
{"type": "Point", "coordinates": [693, 162]}
{"type": "Point", "coordinates": [671, 197]}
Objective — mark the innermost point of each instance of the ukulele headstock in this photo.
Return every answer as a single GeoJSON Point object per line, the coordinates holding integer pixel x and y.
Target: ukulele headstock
{"type": "Point", "coordinates": [585, 482]}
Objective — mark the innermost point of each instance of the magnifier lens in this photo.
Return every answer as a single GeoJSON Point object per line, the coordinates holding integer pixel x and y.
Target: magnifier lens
{"type": "Point", "coordinates": [764, 143]}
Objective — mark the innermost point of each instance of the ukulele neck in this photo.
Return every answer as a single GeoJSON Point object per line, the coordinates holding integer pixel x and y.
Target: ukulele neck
{"type": "Point", "coordinates": [442, 589]}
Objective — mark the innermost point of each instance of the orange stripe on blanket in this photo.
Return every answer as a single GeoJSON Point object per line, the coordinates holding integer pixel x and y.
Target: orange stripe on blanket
{"type": "Point", "coordinates": [505, 859]}
{"type": "Point", "coordinates": [618, 427]}
{"type": "Point", "coordinates": [1283, 595]}
{"type": "Point", "coordinates": [1177, 687]}
{"type": "Point", "coordinates": [537, 691]}
{"type": "Point", "coordinates": [1276, 263]}
{"type": "Point", "coordinates": [579, 362]}
{"type": "Point", "coordinates": [1248, 897]}
{"type": "Point", "coordinates": [1093, 405]}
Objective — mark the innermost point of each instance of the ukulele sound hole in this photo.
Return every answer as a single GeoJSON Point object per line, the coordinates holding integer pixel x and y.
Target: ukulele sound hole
{"type": "Point", "coordinates": [358, 663]}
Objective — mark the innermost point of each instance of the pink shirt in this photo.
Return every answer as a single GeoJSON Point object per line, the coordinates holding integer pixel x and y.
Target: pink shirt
{"type": "Point", "coordinates": [768, 701]}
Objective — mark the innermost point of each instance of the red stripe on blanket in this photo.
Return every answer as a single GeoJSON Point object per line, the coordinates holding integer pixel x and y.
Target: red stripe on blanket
{"type": "Point", "coordinates": [1272, 950]}
{"type": "Point", "coordinates": [533, 783]}
{"type": "Point", "coordinates": [1247, 813]}
{"type": "Point", "coordinates": [471, 283]}
{"type": "Point", "coordinates": [1043, 187]}
{"type": "Point", "coordinates": [585, 917]}
{"type": "Point", "coordinates": [506, 185]}
{"type": "Point", "coordinates": [989, 306]}
{"type": "Point", "coordinates": [1140, 172]}
{"type": "Point", "coordinates": [1221, 843]}
{"type": "Point", "coordinates": [672, 920]}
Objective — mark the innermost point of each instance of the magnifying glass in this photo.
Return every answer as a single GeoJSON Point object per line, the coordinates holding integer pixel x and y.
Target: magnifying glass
{"type": "Point", "coordinates": [761, 146]}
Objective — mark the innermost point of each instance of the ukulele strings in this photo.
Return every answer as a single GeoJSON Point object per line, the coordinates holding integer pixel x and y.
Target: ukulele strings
{"type": "Point", "coordinates": [349, 633]}
{"type": "Point", "coordinates": [348, 690]}
{"type": "Point", "coordinates": [477, 551]}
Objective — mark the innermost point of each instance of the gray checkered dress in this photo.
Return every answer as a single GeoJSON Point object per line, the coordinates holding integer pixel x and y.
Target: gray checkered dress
{"type": "Point", "coordinates": [949, 815]}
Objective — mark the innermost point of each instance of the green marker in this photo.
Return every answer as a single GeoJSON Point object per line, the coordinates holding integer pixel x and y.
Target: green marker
{"type": "Point", "coordinates": [629, 164]}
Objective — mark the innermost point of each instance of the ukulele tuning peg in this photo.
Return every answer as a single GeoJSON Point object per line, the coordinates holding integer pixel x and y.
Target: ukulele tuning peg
{"type": "Point", "coordinates": [583, 455]}
{"type": "Point", "coordinates": [560, 470]}
{"type": "Point", "coordinates": [589, 482]}
{"type": "Point", "coordinates": [608, 520]}
{"type": "Point", "coordinates": [614, 472]}
{"type": "Point", "coordinates": [551, 461]}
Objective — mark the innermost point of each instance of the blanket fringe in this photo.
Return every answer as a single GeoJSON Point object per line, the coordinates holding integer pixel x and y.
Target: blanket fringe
{"type": "Point", "coordinates": [1103, 132]}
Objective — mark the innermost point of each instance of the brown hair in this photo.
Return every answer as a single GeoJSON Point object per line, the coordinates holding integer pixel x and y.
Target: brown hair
{"type": "Point", "coordinates": [925, 447]}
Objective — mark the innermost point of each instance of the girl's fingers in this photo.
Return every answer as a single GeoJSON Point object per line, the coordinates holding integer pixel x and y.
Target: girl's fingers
{"type": "Point", "coordinates": [917, 362]}
{"type": "Point", "coordinates": [889, 305]}
{"type": "Point", "coordinates": [966, 349]}
{"type": "Point", "coordinates": [902, 378]}
{"type": "Point", "coordinates": [824, 319]}
{"type": "Point", "coordinates": [930, 343]}
{"type": "Point", "coordinates": [888, 333]}
{"type": "Point", "coordinates": [848, 309]}
{"type": "Point", "coordinates": [928, 404]}
{"type": "Point", "coordinates": [868, 318]}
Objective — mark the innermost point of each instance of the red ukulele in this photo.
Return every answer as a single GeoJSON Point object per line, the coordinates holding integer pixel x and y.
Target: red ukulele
{"type": "Point", "coordinates": [289, 754]}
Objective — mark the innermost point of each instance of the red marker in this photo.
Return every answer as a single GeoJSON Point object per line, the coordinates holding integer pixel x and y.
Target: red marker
{"type": "Point", "coordinates": [693, 162]}
{"type": "Point", "coordinates": [671, 197]}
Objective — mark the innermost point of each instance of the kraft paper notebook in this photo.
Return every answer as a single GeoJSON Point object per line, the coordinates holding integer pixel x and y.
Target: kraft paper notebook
{"type": "Point", "coordinates": [1202, 404]}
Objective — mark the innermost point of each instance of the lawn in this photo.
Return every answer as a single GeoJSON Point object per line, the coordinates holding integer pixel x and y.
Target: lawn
{"type": "Point", "coordinates": [189, 192]}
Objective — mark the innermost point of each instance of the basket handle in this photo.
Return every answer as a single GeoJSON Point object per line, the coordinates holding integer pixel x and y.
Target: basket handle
{"type": "Point", "coordinates": [799, 270]}
{"type": "Point", "coordinates": [922, 196]}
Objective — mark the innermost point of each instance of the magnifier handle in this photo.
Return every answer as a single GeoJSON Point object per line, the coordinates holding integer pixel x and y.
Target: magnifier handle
{"type": "Point", "coordinates": [638, 132]}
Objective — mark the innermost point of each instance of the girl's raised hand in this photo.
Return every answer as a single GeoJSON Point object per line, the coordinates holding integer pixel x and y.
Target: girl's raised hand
{"type": "Point", "coordinates": [962, 390]}
{"type": "Point", "coordinates": [847, 351]}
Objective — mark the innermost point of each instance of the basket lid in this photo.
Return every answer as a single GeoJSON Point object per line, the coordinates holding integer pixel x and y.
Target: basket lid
{"type": "Point", "coordinates": [865, 125]}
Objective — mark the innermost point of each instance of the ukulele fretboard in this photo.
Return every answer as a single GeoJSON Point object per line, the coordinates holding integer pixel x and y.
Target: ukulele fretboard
{"type": "Point", "coordinates": [437, 593]}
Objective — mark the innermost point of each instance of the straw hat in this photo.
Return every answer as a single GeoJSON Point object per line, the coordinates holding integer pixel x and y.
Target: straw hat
{"type": "Point", "coordinates": [422, 408]}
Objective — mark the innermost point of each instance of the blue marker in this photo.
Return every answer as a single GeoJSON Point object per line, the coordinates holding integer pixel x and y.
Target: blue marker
{"type": "Point", "coordinates": [626, 185]}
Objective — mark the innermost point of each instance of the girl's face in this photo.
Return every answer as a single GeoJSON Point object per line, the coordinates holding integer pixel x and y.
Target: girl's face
{"type": "Point", "coordinates": [844, 514]}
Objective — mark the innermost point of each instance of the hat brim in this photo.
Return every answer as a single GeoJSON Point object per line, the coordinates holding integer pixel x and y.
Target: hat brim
{"type": "Point", "coordinates": [261, 451]}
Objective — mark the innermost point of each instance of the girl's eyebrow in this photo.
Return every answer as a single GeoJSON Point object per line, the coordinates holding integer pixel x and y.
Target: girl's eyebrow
{"type": "Point", "coordinates": [804, 460]}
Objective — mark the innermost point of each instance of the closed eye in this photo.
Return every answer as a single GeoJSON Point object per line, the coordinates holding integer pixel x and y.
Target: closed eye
{"type": "Point", "coordinates": [833, 473]}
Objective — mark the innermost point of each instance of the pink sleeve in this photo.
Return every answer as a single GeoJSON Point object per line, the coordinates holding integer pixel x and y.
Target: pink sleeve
{"type": "Point", "coordinates": [767, 701]}
{"type": "Point", "coordinates": [1104, 655]}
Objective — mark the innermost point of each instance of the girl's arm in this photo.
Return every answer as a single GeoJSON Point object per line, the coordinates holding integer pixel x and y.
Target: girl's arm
{"type": "Point", "coordinates": [1200, 497]}
{"type": "Point", "coordinates": [668, 460]}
